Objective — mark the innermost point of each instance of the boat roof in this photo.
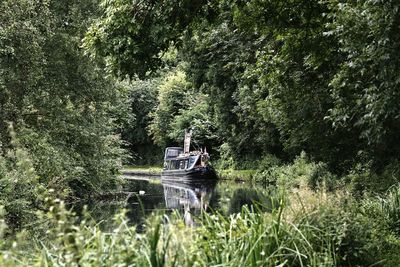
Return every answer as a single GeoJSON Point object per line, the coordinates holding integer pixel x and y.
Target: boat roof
{"type": "Point", "coordinates": [183, 156]}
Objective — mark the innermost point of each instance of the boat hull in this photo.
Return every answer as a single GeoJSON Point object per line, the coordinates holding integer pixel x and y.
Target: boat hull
{"type": "Point", "coordinates": [199, 173]}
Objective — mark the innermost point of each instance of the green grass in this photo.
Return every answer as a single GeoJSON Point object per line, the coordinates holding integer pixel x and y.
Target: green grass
{"type": "Point", "coordinates": [236, 175]}
{"type": "Point", "coordinates": [150, 169]}
{"type": "Point", "coordinates": [303, 229]}
{"type": "Point", "coordinates": [229, 174]}
{"type": "Point", "coordinates": [245, 239]}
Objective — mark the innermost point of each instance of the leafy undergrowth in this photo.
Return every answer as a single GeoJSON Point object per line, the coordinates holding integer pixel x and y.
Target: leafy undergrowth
{"type": "Point", "coordinates": [303, 229]}
{"type": "Point", "coordinates": [236, 175]}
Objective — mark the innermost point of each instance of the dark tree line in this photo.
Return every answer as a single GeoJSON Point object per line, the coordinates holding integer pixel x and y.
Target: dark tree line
{"type": "Point", "coordinates": [58, 110]}
{"type": "Point", "coordinates": [280, 77]}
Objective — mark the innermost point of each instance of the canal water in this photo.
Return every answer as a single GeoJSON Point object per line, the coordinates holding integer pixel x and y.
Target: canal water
{"type": "Point", "coordinates": [141, 196]}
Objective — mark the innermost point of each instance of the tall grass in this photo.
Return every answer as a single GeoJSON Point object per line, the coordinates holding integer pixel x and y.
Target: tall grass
{"type": "Point", "coordinates": [248, 238]}
{"type": "Point", "coordinates": [303, 229]}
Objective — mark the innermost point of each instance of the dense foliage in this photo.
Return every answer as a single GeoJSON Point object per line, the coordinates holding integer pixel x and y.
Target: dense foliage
{"type": "Point", "coordinates": [301, 94]}
{"type": "Point", "coordinates": [313, 76]}
{"type": "Point", "coordinates": [62, 107]}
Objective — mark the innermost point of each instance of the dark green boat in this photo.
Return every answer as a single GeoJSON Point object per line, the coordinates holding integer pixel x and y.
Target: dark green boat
{"type": "Point", "coordinates": [186, 166]}
{"type": "Point", "coordinates": [182, 164]}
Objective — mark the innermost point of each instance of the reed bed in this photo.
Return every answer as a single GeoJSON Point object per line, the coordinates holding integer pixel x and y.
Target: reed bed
{"type": "Point", "coordinates": [306, 229]}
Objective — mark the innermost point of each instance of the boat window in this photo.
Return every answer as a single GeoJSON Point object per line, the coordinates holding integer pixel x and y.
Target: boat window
{"type": "Point", "coordinates": [186, 164]}
{"type": "Point", "coordinates": [181, 164]}
{"type": "Point", "coordinates": [172, 152]}
{"type": "Point", "coordinates": [172, 165]}
{"type": "Point", "coordinates": [192, 160]}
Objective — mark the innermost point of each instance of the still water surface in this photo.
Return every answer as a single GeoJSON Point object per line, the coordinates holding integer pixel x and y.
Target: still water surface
{"type": "Point", "coordinates": [142, 196]}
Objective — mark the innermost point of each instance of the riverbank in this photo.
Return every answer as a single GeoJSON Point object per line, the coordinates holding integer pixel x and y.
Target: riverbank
{"type": "Point", "coordinates": [236, 175]}
{"type": "Point", "coordinates": [302, 221]}
{"type": "Point", "coordinates": [142, 170]}
{"type": "Point", "coordinates": [227, 174]}
{"type": "Point", "coordinates": [299, 227]}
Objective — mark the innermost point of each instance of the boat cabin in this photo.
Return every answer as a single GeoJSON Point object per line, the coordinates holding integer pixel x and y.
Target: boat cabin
{"type": "Point", "coordinates": [181, 162]}
{"type": "Point", "coordinates": [175, 159]}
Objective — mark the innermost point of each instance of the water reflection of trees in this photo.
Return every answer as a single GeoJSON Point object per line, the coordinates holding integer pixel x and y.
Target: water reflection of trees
{"type": "Point", "coordinates": [193, 198]}
{"type": "Point", "coordinates": [190, 199]}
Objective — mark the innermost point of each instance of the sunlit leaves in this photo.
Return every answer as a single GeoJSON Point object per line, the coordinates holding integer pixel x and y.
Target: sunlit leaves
{"type": "Point", "coordinates": [171, 99]}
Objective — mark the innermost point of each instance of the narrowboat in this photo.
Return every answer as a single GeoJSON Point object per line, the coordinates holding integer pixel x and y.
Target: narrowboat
{"type": "Point", "coordinates": [182, 164]}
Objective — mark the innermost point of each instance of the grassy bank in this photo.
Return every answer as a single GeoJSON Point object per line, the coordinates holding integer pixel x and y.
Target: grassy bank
{"type": "Point", "coordinates": [236, 175]}
{"type": "Point", "coordinates": [228, 174]}
{"type": "Point", "coordinates": [302, 228]}
{"type": "Point", "coordinates": [309, 218]}
{"type": "Point", "coordinates": [145, 169]}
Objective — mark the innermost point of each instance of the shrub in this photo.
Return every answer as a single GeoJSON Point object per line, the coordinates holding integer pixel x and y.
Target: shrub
{"type": "Point", "coordinates": [390, 208]}
{"type": "Point", "coordinates": [321, 178]}
{"type": "Point", "coordinates": [365, 180]}
{"type": "Point", "coordinates": [20, 190]}
{"type": "Point", "coordinates": [226, 160]}
{"type": "Point", "coordinates": [300, 172]}
{"type": "Point", "coordinates": [358, 235]}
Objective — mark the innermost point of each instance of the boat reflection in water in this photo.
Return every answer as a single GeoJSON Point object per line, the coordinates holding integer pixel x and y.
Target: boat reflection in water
{"type": "Point", "coordinates": [191, 197]}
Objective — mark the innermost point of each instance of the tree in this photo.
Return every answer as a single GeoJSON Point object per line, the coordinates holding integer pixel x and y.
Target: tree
{"type": "Point", "coordinates": [133, 35]}
{"type": "Point", "coordinates": [221, 60]}
{"type": "Point", "coordinates": [366, 87]}
{"type": "Point", "coordinates": [282, 77]}
{"type": "Point", "coordinates": [143, 101]}
{"type": "Point", "coordinates": [171, 100]}
{"type": "Point", "coordinates": [62, 105]}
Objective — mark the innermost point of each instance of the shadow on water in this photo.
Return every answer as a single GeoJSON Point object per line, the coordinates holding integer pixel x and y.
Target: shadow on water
{"type": "Point", "coordinates": [263, 200]}
{"type": "Point", "coordinates": [140, 197]}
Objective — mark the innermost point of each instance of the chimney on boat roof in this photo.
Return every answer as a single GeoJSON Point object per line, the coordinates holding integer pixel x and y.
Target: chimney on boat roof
{"type": "Point", "coordinates": [186, 144]}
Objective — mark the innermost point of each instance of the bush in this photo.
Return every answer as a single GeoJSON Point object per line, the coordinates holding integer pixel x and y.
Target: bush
{"type": "Point", "coordinates": [321, 178]}
{"type": "Point", "coordinates": [390, 208]}
{"type": "Point", "coordinates": [364, 180]}
{"type": "Point", "coordinates": [226, 160]}
{"type": "Point", "coordinates": [358, 230]}
{"type": "Point", "coordinates": [21, 193]}
{"type": "Point", "coordinates": [300, 172]}
{"type": "Point", "coordinates": [268, 161]}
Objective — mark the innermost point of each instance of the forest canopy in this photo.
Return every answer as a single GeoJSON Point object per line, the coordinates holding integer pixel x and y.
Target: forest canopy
{"type": "Point", "coordinates": [279, 77]}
